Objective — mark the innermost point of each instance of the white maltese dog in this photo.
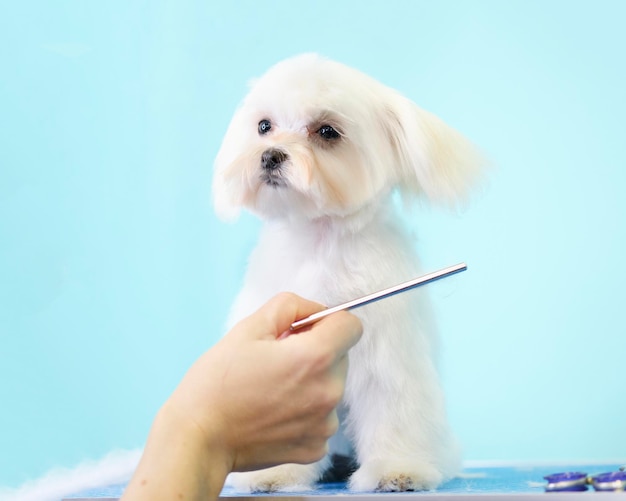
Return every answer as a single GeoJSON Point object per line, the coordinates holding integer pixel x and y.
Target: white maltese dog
{"type": "Point", "coordinates": [317, 151]}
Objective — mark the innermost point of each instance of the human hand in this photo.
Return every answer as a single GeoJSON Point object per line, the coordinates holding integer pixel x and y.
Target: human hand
{"type": "Point", "coordinates": [258, 398]}
{"type": "Point", "coordinates": [264, 399]}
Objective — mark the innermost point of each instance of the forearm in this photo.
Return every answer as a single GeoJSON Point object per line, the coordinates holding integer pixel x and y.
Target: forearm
{"type": "Point", "coordinates": [179, 463]}
{"type": "Point", "coordinates": [232, 412]}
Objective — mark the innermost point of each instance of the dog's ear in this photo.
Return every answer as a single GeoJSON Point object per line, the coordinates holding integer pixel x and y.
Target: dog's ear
{"type": "Point", "coordinates": [226, 189]}
{"type": "Point", "coordinates": [435, 161]}
{"type": "Point", "coordinates": [224, 209]}
{"type": "Point", "coordinates": [223, 201]}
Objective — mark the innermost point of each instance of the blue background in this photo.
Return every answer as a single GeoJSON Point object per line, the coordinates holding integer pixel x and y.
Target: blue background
{"type": "Point", "coordinates": [115, 274]}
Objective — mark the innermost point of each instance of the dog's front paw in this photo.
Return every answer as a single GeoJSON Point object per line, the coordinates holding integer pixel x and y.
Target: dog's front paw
{"type": "Point", "coordinates": [286, 477]}
{"type": "Point", "coordinates": [395, 476]}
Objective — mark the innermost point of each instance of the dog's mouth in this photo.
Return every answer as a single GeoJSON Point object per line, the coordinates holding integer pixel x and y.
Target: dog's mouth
{"type": "Point", "coordinates": [274, 178]}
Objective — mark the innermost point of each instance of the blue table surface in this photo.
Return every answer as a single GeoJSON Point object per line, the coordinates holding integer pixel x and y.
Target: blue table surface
{"type": "Point", "coordinates": [475, 480]}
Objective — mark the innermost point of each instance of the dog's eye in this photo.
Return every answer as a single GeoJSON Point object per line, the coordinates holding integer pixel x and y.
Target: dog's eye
{"type": "Point", "coordinates": [327, 132]}
{"type": "Point", "coordinates": [264, 126]}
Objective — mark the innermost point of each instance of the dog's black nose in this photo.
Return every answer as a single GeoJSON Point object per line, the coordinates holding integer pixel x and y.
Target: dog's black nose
{"type": "Point", "coordinates": [272, 158]}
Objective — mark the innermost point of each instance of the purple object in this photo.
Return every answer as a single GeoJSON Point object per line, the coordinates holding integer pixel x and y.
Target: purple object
{"type": "Point", "coordinates": [612, 481]}
{"type": "Point", "coordinates": [566, 481]}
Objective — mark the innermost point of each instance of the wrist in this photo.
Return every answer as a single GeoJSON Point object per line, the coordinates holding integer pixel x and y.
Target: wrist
{"type": "Point", "coordinates": [180, 458]}
{"type": "Point", "coordinates": [201, 441]}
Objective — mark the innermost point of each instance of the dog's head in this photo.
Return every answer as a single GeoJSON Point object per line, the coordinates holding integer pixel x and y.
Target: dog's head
{"type": "Point", "coordinates": [315, 138]}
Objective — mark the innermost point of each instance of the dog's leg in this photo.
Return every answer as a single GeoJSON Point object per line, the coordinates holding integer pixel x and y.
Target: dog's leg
{"type": "Point", "coordinates": [399, 447]}
{"type": "Point", "coordinates": [286, 478]}
{"type": "Point", "coordinates": [397, 418]}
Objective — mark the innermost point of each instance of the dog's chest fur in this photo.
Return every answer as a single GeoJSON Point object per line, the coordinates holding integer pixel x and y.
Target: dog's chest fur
{"type": "Point", "coordinates": [326, 263]}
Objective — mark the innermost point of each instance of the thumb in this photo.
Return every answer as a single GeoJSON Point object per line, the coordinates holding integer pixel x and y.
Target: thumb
{"type": "Point", "coordinates": [276, 316]}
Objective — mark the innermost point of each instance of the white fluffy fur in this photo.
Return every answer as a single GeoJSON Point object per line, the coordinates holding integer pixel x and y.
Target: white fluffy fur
{"type": "Point", "coordinates": [115, 468]}
{"type": "Point", "coordinates": [331, 234]}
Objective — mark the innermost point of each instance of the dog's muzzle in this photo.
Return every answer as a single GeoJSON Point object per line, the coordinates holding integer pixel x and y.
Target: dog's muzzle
{"type": "Point", "coordinates": [272, 167]}
{"type": "Point", "coordinates": [272, 159]}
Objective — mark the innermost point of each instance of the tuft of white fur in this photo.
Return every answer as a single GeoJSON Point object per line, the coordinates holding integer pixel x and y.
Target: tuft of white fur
{"type": "Point", "coordinates": [289, 477]}
{"type": "Point", "coordinates": [115, 468]}
{"type": "Point", "coordinates": [331, 233]}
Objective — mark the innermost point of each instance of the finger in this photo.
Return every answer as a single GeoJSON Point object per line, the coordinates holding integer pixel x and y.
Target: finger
{"type": "Point", "coordinates": [285, 308]}
{"type": "Point", "coordinates": [332, 425]}
{"type": "Point", "coordinates": [341, 368]}
{"type": "Point", "coordinates": [276, 316]}
{"type": "Point", "coordinates": [339, 332]}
